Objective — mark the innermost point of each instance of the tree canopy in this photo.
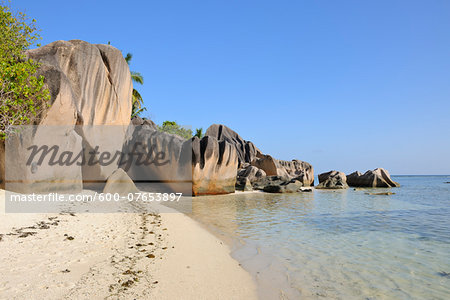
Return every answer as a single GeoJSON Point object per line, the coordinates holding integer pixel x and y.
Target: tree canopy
{"type": "Point", "coordinates": [174, 128]}
{"type": "Point", "coordinates": [23, 95]}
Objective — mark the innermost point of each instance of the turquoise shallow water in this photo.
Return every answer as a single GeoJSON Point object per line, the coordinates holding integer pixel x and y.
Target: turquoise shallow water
{"type": "Point", "coordinates": [340, 244]}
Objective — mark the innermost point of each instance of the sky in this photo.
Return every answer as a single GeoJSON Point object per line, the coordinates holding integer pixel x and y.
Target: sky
{"type": "Point", "coordinates": [344, 85]}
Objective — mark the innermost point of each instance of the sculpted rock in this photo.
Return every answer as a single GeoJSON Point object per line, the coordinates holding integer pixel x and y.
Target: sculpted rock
{"type": "Point", "coordinates": [332, 180]}
{"type": "Point", "coordinates": [119, 182]}
{"type": "Point", "coordinates": [214, 166]}
{"type": "Point", "coordinates": [90, 85]}
{"type": "Point", "coordinates": [138, 121]}
{"type": "Point", "coordinates": [159, 160]}
{"type": "Point", "coordinates": [246, 150]}
{"type": "Point", "coordinates": [243, 184]}
{"type": "Point", "coordinates": [252, 173]}
{"type": "Point", "coordinates": [249, 154]}
{"type": "Point", "coordinates": [297, 169]}
{"type": "Point", "coordinates": [269, 165]}
{"type": "Point", "coordinates": [205, 166]}
{"type": "Point", "coordinates": [376, 178]}
{"type": "Point", "coordinates": [27, 171]}
{"type": "Point", "coordinates": [276, 184]}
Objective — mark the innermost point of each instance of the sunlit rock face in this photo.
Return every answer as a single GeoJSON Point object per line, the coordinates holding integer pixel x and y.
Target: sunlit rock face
{"type": "Point", "coordinates": [214, 166]}
{"type": "Point", "coordinates": [300, 170]}
{"type": "Point", "coordinates": [246, 150]}
{"type": "Point", "coordinates": [90, 86]}
{"type": "Point", "coordinates": [372, 178]}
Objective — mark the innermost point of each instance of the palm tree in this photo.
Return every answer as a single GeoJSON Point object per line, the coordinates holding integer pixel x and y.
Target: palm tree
{"type": "Point", "coordinates": [137, 100]}
{"type": "Point", "coordinates": [199, 132]}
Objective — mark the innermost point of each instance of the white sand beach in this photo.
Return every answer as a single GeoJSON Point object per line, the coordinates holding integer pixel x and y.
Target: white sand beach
{"type": "Point", "coordinates": [115, 256]}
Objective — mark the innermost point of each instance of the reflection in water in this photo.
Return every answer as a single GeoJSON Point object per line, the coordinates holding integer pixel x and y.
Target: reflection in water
{"type": "Point", "coordinates": [343, 244]}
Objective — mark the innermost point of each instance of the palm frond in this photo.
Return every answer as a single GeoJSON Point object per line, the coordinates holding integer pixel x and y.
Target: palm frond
{"type": "Point", "coordinates": [137, 77]}
{"type": "Point", "coordinates": [128, 57]}
{"type": "Point", "coordinates": [137, 96]}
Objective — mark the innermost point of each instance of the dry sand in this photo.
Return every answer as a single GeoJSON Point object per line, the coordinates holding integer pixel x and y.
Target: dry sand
{"type": "Point", "coordinates": [115, 256]}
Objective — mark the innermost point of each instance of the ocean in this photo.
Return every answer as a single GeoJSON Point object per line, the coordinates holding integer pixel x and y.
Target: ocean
{"type": "Point", "coordinates": [340, 244]}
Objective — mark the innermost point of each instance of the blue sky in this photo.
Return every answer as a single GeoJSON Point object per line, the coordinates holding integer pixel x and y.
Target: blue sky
{"type": "Point", "coordinates": [345, 85]}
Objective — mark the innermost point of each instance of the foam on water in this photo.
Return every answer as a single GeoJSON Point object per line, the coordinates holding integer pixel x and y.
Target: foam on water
{"type": "Point", "coordinates": [343, 244]}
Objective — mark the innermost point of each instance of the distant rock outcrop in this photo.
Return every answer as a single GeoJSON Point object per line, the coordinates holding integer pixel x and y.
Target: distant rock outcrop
{"type": "Point", "coordinates": [249, 154]}
{"type": "Point", "coordinates": [376, 178]}
{"type": "Point", "coordinates": [332, 180]}
{"type": "Point", "coordinates": [246, 150]}
{"type": "Point", "coordinates": [300, 170]}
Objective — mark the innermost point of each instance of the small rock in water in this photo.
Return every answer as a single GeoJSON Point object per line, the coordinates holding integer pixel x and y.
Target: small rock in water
{"type": "Point", "coordinates": [385, 193]}
{"type": "Point", "coordinates": [444, 274]}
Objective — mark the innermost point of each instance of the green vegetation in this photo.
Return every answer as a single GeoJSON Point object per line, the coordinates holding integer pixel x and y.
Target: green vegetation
{"type": "Point", "coordinates": [23, 95]}
{"type": "Point", "coordinates": [137, 78]}
{"type": "Point", "coordinates": [173, 128]}
{"type": "Point", "coordinates": [199, 133]}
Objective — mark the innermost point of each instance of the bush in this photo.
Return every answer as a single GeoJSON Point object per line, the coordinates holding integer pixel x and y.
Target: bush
{"type": "Point", "coordinates": [174, 128]}
{"type": "Point", "coordinates": [23, 95]}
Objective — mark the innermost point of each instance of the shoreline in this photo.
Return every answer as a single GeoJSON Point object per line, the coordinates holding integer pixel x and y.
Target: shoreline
{"type": "Point", "coordinates": [116, 255]}
{"type": "Point", "coordinates": [266, 271]}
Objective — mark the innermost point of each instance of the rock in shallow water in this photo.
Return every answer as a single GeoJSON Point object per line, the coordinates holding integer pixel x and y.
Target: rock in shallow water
{"type": "Point", "coordinates": [332, 180]}
{"type": "Point", "coordinates": [376, 178]}
{"type": "Point", "coordinates": [278, 184]}
{"type": "Point", "coordinates": [244, 184]}
{"type": "Point", "coordinates": [252, 173]}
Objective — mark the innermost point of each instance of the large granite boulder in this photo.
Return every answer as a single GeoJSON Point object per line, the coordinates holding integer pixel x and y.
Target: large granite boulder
{"type": "Point", "coordinates": [332, 180]}
{"type": "Point", "coordinates": [90, 86]}
{"type": "Point", "coordinates": [214, 166]}
{"type": "Point", "coordinates": [278, 184]}
{"type": "Point", "coordinates": [372, 178]}
{"type": "Point", "coordinates": [159, 160]}
{"type": "Point", "coordinates": [120, 183]}
{"type": "Point", "coordinates": [41, 159]}
{"type": "Point", "coordinates": [205, 166]}
{"type": "Point", "coordinates": [138, 121]}
{"type": "Point", "coordinates": [246, 150]}
{"type": "Point", "coordinates": [269, 165]}
{"type": "Point", "coordinates": [300, 170]}
{"type": "Point", "coordinates": [252, 173]}
{"type": "Point", "coordinates": [90, 107]}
